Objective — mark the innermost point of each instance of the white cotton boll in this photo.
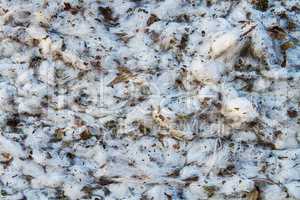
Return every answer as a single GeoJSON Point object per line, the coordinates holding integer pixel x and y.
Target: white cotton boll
{"type": "Point", "coordinates": [8, 48]}
{"type": "Point", "coordinates": [261, 84]}
{"type": "Point", "coordinates": [7, 69]}
{"type": "Point", "coordinates": [287, 140]}
{"type": "Point", "coordinates": [49, 180]}
{"type": "Point", "coordinates": [198, 190]}
{"type": "Point", "coordinates": [199, 151]}
{"type": "Point", "coordinates": [57, 45]}
{"type": "Point", "coordinates": [72, 58]}
{"type": "Point", "coordinates": [273, 192]}
{"type": "Point", "coordinates": [157, 192]}
{"type": "Point", "coordinates": [36, 32]}
{"type": "Point", "coordinates": [61, 101]}
{"type": "Point", "coordinates": [276, 73]}
{"type": "Point", "coordinates": [7, 93]}
{"type": "Point", "coordinates": [99, 156]}
{"type": "Point", "coordinates": [17, 182]}
{"type": "Point", "coordinates": [237, 185]}
{"type": "Point", "coordinates": [239, 109]}
{"type": "Point", "coordinates": [244, 136]}
{"type": "Point", "coordinates": [45, 45]}
{"type": "Point", "coordinates": [189, 171]}
{"type": "Point", "coordinates": [11, 147]}
{"type": "Point", "coordinates": [96, 153]}
{"type": "Point", "coordinates": [32, 169]}
{"type": "Point", "coordinates": [167, 113]}
{"type": "Point", "coordinates": [288, 174]}
{"type": "Point", "coordinates": [218, 160]}
{"type": "Point", "coordinates": [120, 190]}
{"type": "Point", "coordinates": [174, 159]}
{"type": "Point", "coordinates": [24, 77]}
{"type": "Point", "coordinates": [139, 112]}
{"type": "Point", "coordinates": [32, 105]}
{"type": "Point", "coordinates": [168, 8]}
{"type": "Point", "coordinates": [39, 157]}
{"type": "Point", "coordinates": [41, 17]}
{"type": "Point", "coordinates": [294, 189]}
{"type": "Point", "coordinates": [73, 190]}
{"type": "Point", "coordinates": [207, 72]}
{"type": "Point", "coordinates": [208, 91]}
{"type": "Point", "coordinates": [225, 42]}
{"type": "Point", "coordinates": [250, 171]}
{"type": "Point", "coordinates": [33, 89]}
{"type": "Point", "coordinates": [47, 73]}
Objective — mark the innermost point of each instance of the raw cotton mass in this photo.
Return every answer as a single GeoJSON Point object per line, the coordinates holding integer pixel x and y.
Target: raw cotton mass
{"type": "Point", "coordinates": [149, 99]}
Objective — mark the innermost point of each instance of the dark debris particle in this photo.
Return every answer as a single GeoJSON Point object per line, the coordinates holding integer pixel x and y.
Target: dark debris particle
{"type": "Point", "coordinates": [292, 113]}
{"type": "Point", "coordinates": [103, 181]}
{"type": "Point", "coordinates": [35, 62]}
{"type": "Point", "coordinates": [182, 18]}
{"type": "Point", "coordinates": [69, 8]}
{"type": "Point", "coordinates": [183, 41]}
{"type": "Point", "coordinates": [191, 179]}
{"type": "Point", "coordinates": [13, 122]}
{"type": "Point", "coordinates": [144, 130]}
{"type": "Point", "coordinates": [107, 14]}
{"type": "Point", "coordinates": [291, 25]}
{"type": "Point", "coordinates": [210, 190]}
{"type": "Point", "coordinates": [70, 155]}
{"type": "Point", "coordinates": [106, 191]}
{"type": "Point", "coordinates": [152, 19]}
{"type": "Point", "coordinates": [85, 135]}
{"type": "Point", "coordinates": [58, 135]}
{"type": "Point", "coordinates": [261, 5]}
{"type": "Point", "coordinates": [277, 32]}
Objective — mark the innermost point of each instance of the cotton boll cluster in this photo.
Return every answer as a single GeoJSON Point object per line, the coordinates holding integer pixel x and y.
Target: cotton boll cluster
{"type": "Point", "coordinates": [149, 100]}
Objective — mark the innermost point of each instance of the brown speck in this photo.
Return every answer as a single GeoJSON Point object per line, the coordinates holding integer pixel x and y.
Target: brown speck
{"type": "Point", "coordinates": [183, 41]}
{"type": "Point", "coordinates": [85, 135]}
{"type": "Point", "coordinates": [105, 181]}
{"type": "Point", "coordinates": [292, 113]}
{"type": "Point", "coordinates": [277, 33]}
{"type": "Point", "coordinates": [68, 7]}
{"type": "Point", "coordinates": [261, 5]}
{"type": "Point", "coordinates": [285, 46]}
{"type": "Point", "coordinates": [107, 14]}
{"type": "Point", "coordinates": [152, 19]}
{"type": "Point", "coordinates": [35, 62]}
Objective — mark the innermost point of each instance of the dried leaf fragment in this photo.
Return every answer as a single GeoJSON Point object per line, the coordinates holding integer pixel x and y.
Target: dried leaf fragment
{"type": "Point", "coordinates": [254, 195]}
{"type": "Point", "coordinates": [261, 5]}
{"type": "Point", "coordinates": [105, 181]}
{"type": "Point", "coordinates": [183, 41]}
{"type": "Point", "coordinates": [58, 135]}
{"type": "Point", "coordinates": [123, 75]}
{"type": "Point", "coordinates": [107, 14]}
{"type": "Point", "coordinates": [210, 190]}
{"type": "Point", "coordinates": [73, 10]}
{"type": "Point", "coordinates": [85, 135]}
{"type": "Point", "coordinates": [176, 134]}
{"type": "Point", "coordinates": [152, 19]}
{"type": "Point", "coordinates": [292, 113]}
{"type": "Point", "coordinates": [287, 45]}
{"type": "Point", "coordinates": [5, 157]}
{"type": "Point", "coordinates": [277, 33]}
